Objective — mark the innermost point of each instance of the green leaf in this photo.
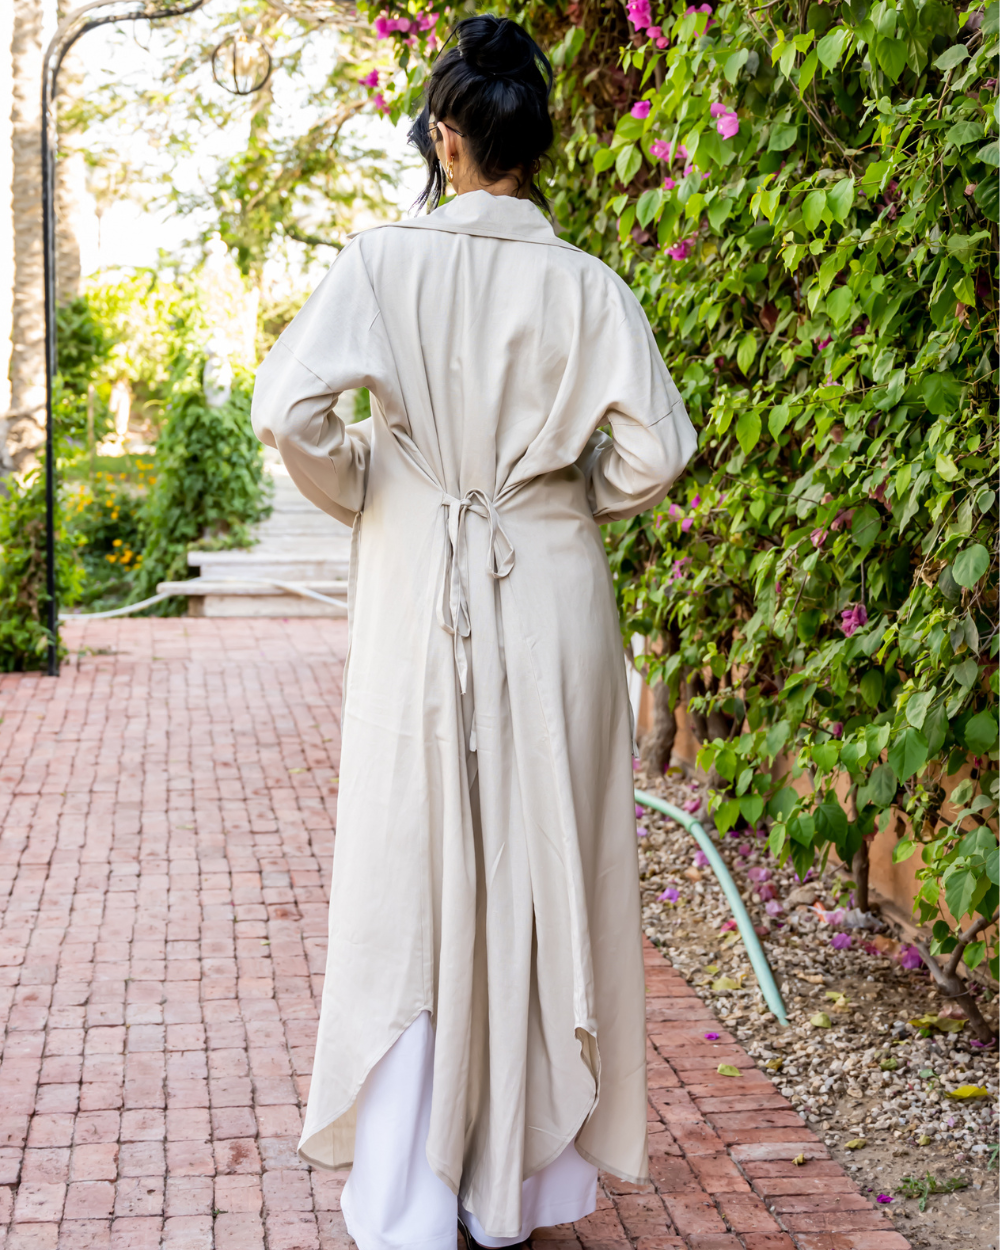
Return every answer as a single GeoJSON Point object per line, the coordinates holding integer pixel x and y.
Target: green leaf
{"type": "Point", "coordinates": [813, 208]}
{"type": "Point", "coordinates": [648, 206]}
{"type": "Point", "coordinates": [734, 63]}
{"type": "Point", "coordinates": [871, 686]}
{"type": "Point", "coordinates": [866, 525]}
{"type": "Point", "coordinates": [783, 135]}
{"type": "Point", "coordinates": [955, 55]}
{"type": "Point", "coordinates": [990, 154]}
{"type": "Point", "coordinates": [775, 739]}
{"type": "Point", "coordinates": [917, 706]}
{"type": "Point", "coordinates": [778, 419]}
{"type": "Point", "coordinates": [981, 732]}
{"type": "Point", "coordinates": [987, 196]}
{"type": "Point", "coordinates": [752, 808]}
{"type": "Point", "coordinates": [959, 887]}
{"type": "Point", "coordinates": [840, 198]}
{"type": "Point", "coordinates": [718, 211]}
{"type": "Point", "coordinates": [826, 755]}
{"type": "Point", "coordinates": [891, 55]}
{"type": "Point", "coordinates": [831, 822]}
{"type": "Point", "coordinates": [908, 753]}
{"type": "Point", "coordinates": [726, 814]}
{"type": "Point", "coordinates": [903, 850]}
{"type": "Point", "coordinates": [604, 158]}
{"type": "Point", "coordinates": [941, 392]}
{"type": "Point", "coordinates": [628, 162]}
{"type": "Point", "coordinates": [808, 70]}
{"type": "Point", "coordinates": [964, 132]}
{"type": "Point", "coordinates": [745, 355]}
{"type": "Point", "coordinates": [748, 430]}
{"type": "Point", "coordinates": [881, 787]}
{"type": "Point", "coordinates": [993, 865]}
{"type": "Point", "coordinates": [969, 565]}
{"type": "Point", "coordinates": [830, 48]}
{"type": "Point", "coordinates": [839, 304]}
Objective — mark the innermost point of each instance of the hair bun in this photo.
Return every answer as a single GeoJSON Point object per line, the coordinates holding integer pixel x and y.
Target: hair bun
{"type": "Point", "coordinates": [496, 47]}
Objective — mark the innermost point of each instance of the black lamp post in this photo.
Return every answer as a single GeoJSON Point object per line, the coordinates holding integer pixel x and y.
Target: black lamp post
{"type": "Point", "coordinates": [90, 16]}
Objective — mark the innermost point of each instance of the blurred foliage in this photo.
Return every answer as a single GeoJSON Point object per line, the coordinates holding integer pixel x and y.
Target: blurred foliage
{"type": "Point", "coordinates": [288, 164]}
{"type": "Point", "coordinates": [804, 197]}
{"type": "Point", "coordinates": [209, 486]}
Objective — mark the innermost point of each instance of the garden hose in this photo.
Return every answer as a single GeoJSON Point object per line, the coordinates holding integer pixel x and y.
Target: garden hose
{"type": "Point", "coordinates": [292, 587]}
{"type": "Point", "coordinates": [758, 960]}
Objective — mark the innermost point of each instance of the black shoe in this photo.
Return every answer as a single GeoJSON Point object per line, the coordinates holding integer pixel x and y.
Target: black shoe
{"type": "Point", "coordinates": [471, 1242]}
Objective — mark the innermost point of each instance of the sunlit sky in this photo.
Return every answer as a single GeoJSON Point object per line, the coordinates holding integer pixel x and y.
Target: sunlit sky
{"type": "Point", "coordinates": [130, 234]}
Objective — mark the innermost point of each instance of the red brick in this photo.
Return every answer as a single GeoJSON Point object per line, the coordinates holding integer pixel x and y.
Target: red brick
{"type": "Point", "coordinates": [807, 1145]}
{"type": "Point", "coordinates": [238, 1154]}
{"type": "Point", "coordinates": [239, 1194]}
{"type": "Point", "coordinates": [39, 1202]}
{"type": "Point", "coordinates": [819, 1202]}
{"type": "Point", "coordinates": [718, 1174]}
{"type": "Point", "coordinates": [643, 1214]}
{"type": "Point", "coordinates": [89, 1200]}
{"type": "Point", "coordinates": [187, 1232]}
{"type": "Point", "coordinates": [661, 1243]}
{"type": "Point", "coordinates": [85, 1235]}
{"type": "Point", "coordinates": [745, 1213]}
{"type": "Point", "coordinates": [693, 1213]}
{"type": "Point", "coordinates": [673, 1175]}
{"type": "Point", "coordinates": [715, 1241]}
{"type": "Point", "coordinates": [835, 1221]}
{"type": "Point", "coordinates": [770, 1185]}
{"type": "Point", "coordinates": [188, 1196]}
{"type": "Point", "coordinates": [239, 1232]}
{"type": "Point", "coordinates": [133, 1233]}
{"type": "Point", "coordinates": [768, 1241]}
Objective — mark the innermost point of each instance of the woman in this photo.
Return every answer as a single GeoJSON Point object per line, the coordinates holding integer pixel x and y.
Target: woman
{"type": "Point", "coordinates": [481, 1046]}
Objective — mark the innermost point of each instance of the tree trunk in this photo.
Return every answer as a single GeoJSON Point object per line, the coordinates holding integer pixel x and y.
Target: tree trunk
{"type": "Point", "coordinates": [22, 426]}
{"type": "Point", "coordinates": [658, 744]}
{"type": "Point", "coordinates": [951, 984]}
{"type": "Point", "coordinates": [860, 869]}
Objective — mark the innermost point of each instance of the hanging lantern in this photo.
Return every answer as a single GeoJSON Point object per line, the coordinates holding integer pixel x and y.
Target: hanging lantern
{"type": "Point", "coordinates": [241, 64]}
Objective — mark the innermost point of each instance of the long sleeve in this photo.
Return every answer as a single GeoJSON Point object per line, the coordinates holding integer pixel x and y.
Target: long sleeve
{"type": "Point", "coordinates": [335, 343]}
{"type": "Point", "coordinates": [652, 436]}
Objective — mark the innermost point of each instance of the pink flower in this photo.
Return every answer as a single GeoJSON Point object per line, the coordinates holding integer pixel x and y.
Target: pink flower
{"type": "Point", "coordinates": [728, 126]}
{"type": "Point", "coordinates": [670, 895]}
{"type": "Point", "coordinates": [766, 891]}
{"type": "Point", "coordinates": [382, 28]}
{"type": "Point", "coordinates": [818, 537]}
{"type": "Point", "coordinates": [700, 859]}
{"type": "Point", "coordinates": [688, 167]}
{"type": "Point", "coordinates": [883, 1198]}
{"type": "Point", "coordinates": [639, 812]}
{"type": "Point", "coordinates": [659, 148]}
{"type": "Point", "coordinates": [681, 250]}
{"type": "Point", "coordinates": [837, 729]}
{"type": "Point", "coordinates": [759, 874]}
{"type": "Point", "coordinates": [692, 805]}
{"type": "Point", "coordinates": [744, 849]}
{"type": "Point", "coordinates": [669, 184]}
{"type": "Point", "coordinates": [680, 154]}
{"type": "Point", "coordinates": [641, 109]}
{"type": "Point", "coordinates": [727, 926]}
{"type": "Point", "coordinates": [654, 32]}
{"type": "Point", "coordinates": [823, 344]}
{"type": "Point", "coordinates": [636, 765]}
{"type": "Point", "coordinates": [642, 832]}
{"type": "Point", "coordinates": [639, 14]}
{"type": "Point", "coordinates": [774, 908]}
{"type": "Point", "coordinates": [702, 8]}
{"type": "Point", "coordinates": [909, 957]}
{"type": "Point", "coordinates": [426, 20]}
{"type": "Point", "coordinates": [840, 942]}
{"type": "Point", "coordinates": [851, 619]}
{"type": "Point", "coordinates": [711, 1037]}
{"type": "Point", "coordinates": [380, 103]}
{"type": "Point", "coordinates": [695, 501]}
{"type": "Point", "coordinates": [663, 42]}
{"type": "Point", "coordinates": [844, 517]}
{"type": "Point", "coordinates": [370, 80]}
{"type": "Point", "coordinates": [674, 513]}
{"type": "Point", "coordinates": [717, 110]}
{"type": "Point", "coordinates": [686, 524]}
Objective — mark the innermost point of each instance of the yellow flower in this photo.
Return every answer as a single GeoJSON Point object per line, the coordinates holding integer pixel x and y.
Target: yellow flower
{"type": "Point", "coordinates": [117, 542]}
{"type": "Point", "coordinates": [111, 559]}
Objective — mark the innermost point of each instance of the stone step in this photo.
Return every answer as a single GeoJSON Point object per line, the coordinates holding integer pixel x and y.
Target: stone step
{"type": "Point", "coordinates": [297, 567]}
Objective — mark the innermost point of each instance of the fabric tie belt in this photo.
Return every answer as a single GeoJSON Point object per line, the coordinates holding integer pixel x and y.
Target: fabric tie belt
{"type": "Point", "coordinates": [453, 606]}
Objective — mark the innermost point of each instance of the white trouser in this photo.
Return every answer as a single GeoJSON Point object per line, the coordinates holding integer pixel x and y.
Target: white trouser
{"type": "Point", "coordinates": [392, 1199]}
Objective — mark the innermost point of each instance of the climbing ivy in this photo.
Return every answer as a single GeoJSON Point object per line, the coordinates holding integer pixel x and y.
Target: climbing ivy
{"type": "Point", "coordinates": [804, 197]}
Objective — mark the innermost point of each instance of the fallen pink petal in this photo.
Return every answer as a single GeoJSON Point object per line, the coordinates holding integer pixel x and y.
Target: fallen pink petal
{"type": "Point", "coordinates": [712, 1037]}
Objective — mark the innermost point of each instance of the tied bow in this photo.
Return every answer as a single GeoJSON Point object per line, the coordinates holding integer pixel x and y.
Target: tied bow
{"type": "Point", "coordinates": [453, 608]}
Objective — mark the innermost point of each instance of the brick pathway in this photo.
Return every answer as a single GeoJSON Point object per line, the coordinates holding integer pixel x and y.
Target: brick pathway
{"type": "Point", "coordinates": [167, 812]}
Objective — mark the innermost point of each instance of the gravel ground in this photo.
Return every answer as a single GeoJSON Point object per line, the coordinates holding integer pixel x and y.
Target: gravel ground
{"type": "Point", "coordinates": [866, 1075]}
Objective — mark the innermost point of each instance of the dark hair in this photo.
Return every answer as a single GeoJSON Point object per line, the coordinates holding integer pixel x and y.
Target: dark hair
{"type": "Point", "coordinates": [493, 85]}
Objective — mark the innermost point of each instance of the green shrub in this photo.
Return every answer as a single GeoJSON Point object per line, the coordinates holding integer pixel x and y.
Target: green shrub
{"type": "Point", "coordinates": [805, 200]}
{"type": "Point", "coordinates": [209, 487]}
{"type": "Point", "coordinates": [24, 635]}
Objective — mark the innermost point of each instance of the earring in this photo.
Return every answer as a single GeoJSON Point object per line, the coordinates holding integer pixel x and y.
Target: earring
{"type": "Point", "coordinates": [451, 171]}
